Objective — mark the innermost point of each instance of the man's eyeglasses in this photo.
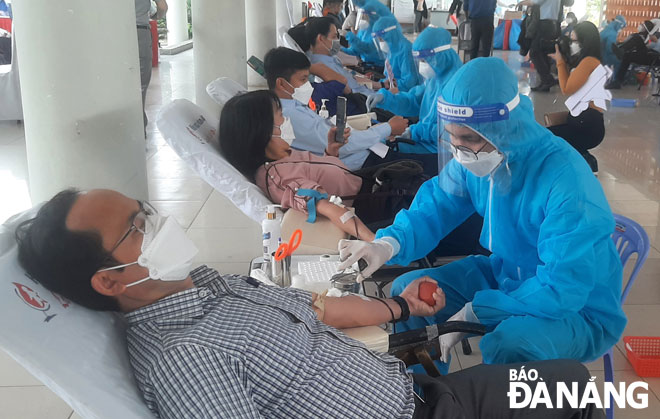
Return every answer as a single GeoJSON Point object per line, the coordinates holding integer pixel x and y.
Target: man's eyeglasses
{"type": "Point", "coordinates": [141, 222]}
{"type": "Point", "coordinates": [466, 153]}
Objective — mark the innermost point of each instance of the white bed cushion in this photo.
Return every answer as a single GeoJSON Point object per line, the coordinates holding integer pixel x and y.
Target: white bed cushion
{"type": "Point", "coordinates": [192, 134]}
{"type": "Point", "coordinates": [78, 353]}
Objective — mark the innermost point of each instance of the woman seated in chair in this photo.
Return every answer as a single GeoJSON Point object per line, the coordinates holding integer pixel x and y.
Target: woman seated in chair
{"type": "Point", "coordinates": [587, 129]}
{"type": "Point", "coordinates": [256, 139]}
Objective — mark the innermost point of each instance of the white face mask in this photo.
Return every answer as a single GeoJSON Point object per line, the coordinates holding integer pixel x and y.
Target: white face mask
{"type": "Point", "coordinates": [384, 47]}
{"type": "Point", "coordinates": [166, 252]}
{"type": "Point", "coordinates": [485, 164]}
{"type": "Point", "coordinates": [426, 71]}
{"type": "Point", "coordinates": [575, 48]}
{"type": "Point", "coordinates": [286, 131]}
{"type": "Point", "coordinates": [363, 25]}
{"type": "Point", "coordinates": [303, 93]}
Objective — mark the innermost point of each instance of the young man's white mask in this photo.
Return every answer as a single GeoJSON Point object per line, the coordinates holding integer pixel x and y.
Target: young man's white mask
{"type": "Point", "coordinates": [485, 164]}
{"type": "Point", "coordinates": [303, 93]}
{"type": "Point", "coordinates": [167, 252]}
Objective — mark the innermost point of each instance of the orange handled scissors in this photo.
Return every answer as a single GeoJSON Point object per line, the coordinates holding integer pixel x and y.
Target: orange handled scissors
{"type": "Point", "coordinates": [286, 249]}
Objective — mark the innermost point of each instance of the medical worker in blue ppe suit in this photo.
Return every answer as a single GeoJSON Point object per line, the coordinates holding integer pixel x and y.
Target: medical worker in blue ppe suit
{"type": "Point", "coordinates": [608, 38]}
{"type": "Point", "coordinates": [398, 51]}
{"type": "Point", "coordinates": [437, 63]}
{"type": "Point", "coordinates": [362, 44]}
{"type": "Point", "coordinates": [552, 285]}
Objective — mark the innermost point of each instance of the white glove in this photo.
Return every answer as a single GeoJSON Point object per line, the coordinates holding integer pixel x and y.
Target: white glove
{"type": "Point", "coordinates": [406, 134]}
{"type": "Point", "coordinates": [373, 100]}
{"type": "Point", "coordinates": [375, 254]}
{"type": "Point", "coordinates": [447, 341]}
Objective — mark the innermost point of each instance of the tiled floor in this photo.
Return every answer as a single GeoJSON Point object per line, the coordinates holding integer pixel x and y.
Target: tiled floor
{"type": "Point", "coordinates": [629, 172]}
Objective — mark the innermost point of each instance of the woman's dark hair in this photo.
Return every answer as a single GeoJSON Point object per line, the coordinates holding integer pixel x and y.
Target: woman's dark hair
{"type": "Point", "coordinates": [62, 260]}
{"type": "Point", "coordinates": [298, 33]}
{"type": "Point", "coordinates": [317, 26]}
{"type": "Point", "coordinates": [589, 39]}
{"type": "Point", "coordinates": [246, 126]}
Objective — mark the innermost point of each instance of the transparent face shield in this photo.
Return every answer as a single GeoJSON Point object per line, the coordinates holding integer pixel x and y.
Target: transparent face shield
{"type": "Point", "coordinates": [379, 40]}
{"type": "Point", "coordinates": [360, 17]}
{"type": "Point", "coordinates": [459, 139]}
{"type": "Point", "coordinates": [422, 58]}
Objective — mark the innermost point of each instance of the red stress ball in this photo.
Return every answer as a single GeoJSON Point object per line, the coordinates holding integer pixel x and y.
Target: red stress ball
{"type": "Point", "coordinates": [426, 290]}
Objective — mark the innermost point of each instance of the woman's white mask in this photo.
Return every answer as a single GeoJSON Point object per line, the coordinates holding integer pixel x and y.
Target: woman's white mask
{"type": "Point", "coordinates": [167, 252]}
{"type": "Point", "coordinates": [286, 131]}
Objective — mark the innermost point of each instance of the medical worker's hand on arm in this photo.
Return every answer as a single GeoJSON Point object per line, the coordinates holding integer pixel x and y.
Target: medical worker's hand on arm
{"type": "Point", "coordinates": [398, 124]}
{"type": "Point", "coordinates": [373, 100]}
{"type": "Point", "coordinates": [416, 305]}
{"type": "Point", "coordinates": [374, 253]}
{"type": "Point", "coordinates": [334, 146]}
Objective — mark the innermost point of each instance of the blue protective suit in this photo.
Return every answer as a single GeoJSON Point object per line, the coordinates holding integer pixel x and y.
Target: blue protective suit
{"type": "Point", "coordinates": [552, 286]}
{"type": "Point", "coordinates": [362, 44]}
{"type": "Point", "coordinates": [400, 55]}
{"type": "Point", "coordinates": [608, 38]}
{"type": "Point", "coordinates": [420, 100]}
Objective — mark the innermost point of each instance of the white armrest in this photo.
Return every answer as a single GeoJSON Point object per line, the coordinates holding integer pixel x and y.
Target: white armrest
{"type": "Point", "coordinates": [318, 238]}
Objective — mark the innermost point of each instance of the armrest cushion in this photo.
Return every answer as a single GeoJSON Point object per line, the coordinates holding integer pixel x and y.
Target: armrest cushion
{"type": "Point", "coordinates": [318, 238]}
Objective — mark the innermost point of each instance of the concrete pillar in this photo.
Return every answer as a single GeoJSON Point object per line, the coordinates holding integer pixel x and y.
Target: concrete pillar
{"type": "Point", "coordinates": [261, 35]}
{"type": "Point", "coordinates": [81, 96]}
{"type": "Point", "coordinates": [177, 22]}
{"type": "Point", "coordinates": [219, 45]}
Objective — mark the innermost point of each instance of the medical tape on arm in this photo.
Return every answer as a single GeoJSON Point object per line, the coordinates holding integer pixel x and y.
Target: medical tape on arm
{"type": "Point", "coordinates": [347, 216]}
{"type": "Point", "coordinates": [318, 303]}
{"type": "Point", "coordinates": [314, 196]}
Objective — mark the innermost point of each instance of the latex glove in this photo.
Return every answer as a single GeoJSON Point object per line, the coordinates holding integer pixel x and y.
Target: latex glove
{"type": "Point", "coordinates": [373, 100]}
{"type": "Point", "coordinates": [447, 341]}
{"type": "Point", "coordinates": [406, 134]}
{"type": "Point", "coordinates": [375, 254]}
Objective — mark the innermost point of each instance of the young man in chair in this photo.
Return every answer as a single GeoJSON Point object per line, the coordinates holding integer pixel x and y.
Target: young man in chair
{"type": "Point", "coordinates": [205, 345]}
{"type": "Point", "coordinates": [287, 73]}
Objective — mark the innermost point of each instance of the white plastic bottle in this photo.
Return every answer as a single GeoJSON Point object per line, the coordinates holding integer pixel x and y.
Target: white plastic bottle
{"type": "Point", "coordinates": [323, 113]}
{"type": "Point", "coordinates": [271, 231]}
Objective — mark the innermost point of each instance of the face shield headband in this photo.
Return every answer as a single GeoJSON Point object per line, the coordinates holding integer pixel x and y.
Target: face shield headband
{"type": "Point", "coordinates": [383, 31]}
{"type": "Point", "coordinates": [426, 53]}
{"type": "Point", "coordinates": [476, 114]}
{"type": "Point", "coordinates": [458, 121]}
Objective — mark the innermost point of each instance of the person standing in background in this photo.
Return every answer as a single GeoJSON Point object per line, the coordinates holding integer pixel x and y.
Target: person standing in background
{"type": "Point", "coordinates": [332, 9]}
{"type": "Point", "coordinates": [421, 12]}
{"type": "Point", "coordinates": [142, 15]}
{"type": "Point", "coordinates": [481, 14]}
{"type": "Point", "coordinates": [548, 30]}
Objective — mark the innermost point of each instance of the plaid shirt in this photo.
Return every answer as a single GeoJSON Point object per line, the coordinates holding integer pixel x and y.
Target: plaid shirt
{"type": "Point", "coordinates": [233, 348]}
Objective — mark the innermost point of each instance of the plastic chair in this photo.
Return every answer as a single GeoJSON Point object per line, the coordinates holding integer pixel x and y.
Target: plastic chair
{"type": "Point", "coordinates": [629, 237]}
{"type": "Point", "coordinates": [223, 89]}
